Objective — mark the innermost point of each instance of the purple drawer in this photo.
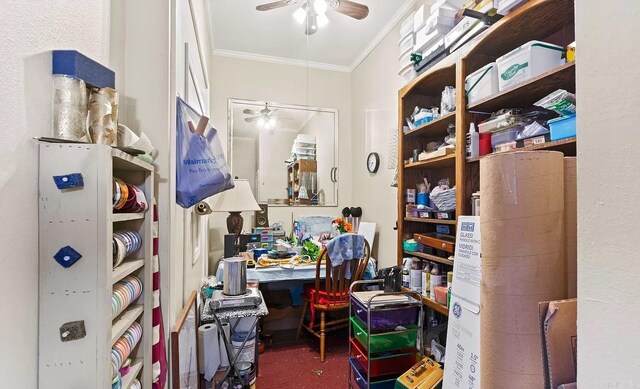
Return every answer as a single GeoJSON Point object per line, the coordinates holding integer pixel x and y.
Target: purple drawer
{"type": "Point", "coordinates": [385, 318]}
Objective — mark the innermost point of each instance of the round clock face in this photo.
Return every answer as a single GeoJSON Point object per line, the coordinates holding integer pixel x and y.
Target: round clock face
{"type": "Point", "coordinates": [373, 162]}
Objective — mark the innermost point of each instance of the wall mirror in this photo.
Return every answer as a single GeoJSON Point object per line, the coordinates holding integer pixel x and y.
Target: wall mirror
{"type": "Point", "coordinates": [289, 153]}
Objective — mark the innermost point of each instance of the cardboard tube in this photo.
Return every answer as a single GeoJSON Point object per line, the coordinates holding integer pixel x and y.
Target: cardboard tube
{"type": "Point", "coordinates": [571, 227]}
{"type": "Point", "coordinates": [522, 262]}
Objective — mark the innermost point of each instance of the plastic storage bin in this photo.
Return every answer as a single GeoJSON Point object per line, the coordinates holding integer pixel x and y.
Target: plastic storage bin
{"type": "Point", "coordinates": [390, 317]}
{"type": "Point", "coordinates": [528, 61]}
{"type": "Point", "coordinates": [382, 364]}
{"type": "Point", "coordinates": [504, 136]}
{"type": "Point", "coordinates": [482, 83]}
{"type": "Point", "coordinates": [406, 26]}
{"type": "Point", "coordinates": [562, 128]}
{"type": "Point", "coordinates": [359, 378]}
{"type": "Point", "coordinates": [386, 341]}
{"type": "Point", "coordinates": [407, 246]}
{"type": "Point", "coordinates": [407, 42]}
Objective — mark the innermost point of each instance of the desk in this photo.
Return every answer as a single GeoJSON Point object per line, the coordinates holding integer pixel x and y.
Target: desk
{"type": "Point", "coordinates": [273, 274]}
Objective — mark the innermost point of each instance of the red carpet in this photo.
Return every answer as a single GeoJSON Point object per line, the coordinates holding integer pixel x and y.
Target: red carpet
{"type": "Point", "coordinates": [298, 365]}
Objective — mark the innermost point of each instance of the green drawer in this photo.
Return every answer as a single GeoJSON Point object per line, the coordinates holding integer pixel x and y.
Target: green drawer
{"type": "Point", "coordinates": [387, 341]}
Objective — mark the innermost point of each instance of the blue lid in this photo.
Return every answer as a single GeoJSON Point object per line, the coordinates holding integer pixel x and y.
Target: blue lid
{"type": "Point", "coordinates": [561, 118]}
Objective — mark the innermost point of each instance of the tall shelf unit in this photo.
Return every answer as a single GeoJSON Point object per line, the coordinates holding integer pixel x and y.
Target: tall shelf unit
{"type": "Point", "coordinates": [76, 327]}
{"type": "Point", "coordinates": [546, 20]}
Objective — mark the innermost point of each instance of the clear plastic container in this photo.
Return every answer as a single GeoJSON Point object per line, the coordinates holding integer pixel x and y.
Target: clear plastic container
{"type": "Point", "coordinates": [504, 136]}
{"type": "Point", "coordinates": [386, 341]}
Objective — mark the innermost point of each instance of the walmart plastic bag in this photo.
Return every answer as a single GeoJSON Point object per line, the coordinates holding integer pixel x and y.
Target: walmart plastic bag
{"type": "Point", "coordinates": [201, 170]}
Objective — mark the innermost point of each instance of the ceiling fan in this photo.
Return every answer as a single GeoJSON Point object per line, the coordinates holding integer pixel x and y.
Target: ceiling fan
{"type": "Point", "coordinates": [312, 12]}
{"type": "Point", "coordinates": [263, 118]}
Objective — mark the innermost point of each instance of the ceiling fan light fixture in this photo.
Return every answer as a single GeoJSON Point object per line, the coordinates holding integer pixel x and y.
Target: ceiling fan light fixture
{"type": "Point", "coordinates": [320, 6]}
{"type": "Point", "coordinates": [322, 20]}
{"type": "Point", "coordinates": [300, 15]}
{"type": "Point", "coordinates": [272, 122]}
{"type": "Point", "coordinates": [260, 122]}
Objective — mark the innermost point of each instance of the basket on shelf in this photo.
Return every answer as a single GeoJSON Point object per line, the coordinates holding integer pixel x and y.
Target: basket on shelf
{"type": "Point", "coordinates": [445, 201]}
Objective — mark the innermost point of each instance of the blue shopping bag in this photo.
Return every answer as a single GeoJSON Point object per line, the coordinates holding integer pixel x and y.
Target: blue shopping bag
{"type": "Point", "coordinates": [201, 170]}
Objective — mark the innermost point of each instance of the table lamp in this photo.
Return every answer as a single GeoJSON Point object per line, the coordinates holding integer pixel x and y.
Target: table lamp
{"type": "Point", "coordinates": [234, 201]}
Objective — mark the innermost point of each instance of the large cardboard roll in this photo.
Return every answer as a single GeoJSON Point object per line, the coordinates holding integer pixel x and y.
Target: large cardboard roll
{"type": "Point", "coordinates": [571, 227]}
{"type": "Point", "coordinates": [523, 262]}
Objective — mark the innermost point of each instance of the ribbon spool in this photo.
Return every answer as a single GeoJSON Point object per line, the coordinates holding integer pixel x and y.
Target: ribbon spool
{"type": "Point", "coordinates": [135, 384]}
{"type": "Point", "coordinates": [128, 198]}
{"type": "Point", "coordinates": [124, 293]}
{"type": "Point", "coordinates": [125, 243]}
{"type": "Point", "coordinates": [123, 346]}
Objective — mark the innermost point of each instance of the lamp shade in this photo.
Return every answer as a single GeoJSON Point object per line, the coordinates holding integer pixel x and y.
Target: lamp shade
{"type": "Point", "coordinates": [238, 199]}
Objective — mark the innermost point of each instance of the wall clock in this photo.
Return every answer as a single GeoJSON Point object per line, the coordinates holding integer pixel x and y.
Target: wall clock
{"type": "Point", "coordinates": [373, 162]}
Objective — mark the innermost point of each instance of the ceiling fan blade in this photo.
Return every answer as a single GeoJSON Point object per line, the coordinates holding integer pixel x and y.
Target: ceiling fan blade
{"type": "Point", "coordinates": [352, 9]}
{"type": "Point", "coordinates": [248, 111]}
{"type": "Point", "coordinates": [250, 120]}
{"type": "Point", "coordinates": [275, 4]}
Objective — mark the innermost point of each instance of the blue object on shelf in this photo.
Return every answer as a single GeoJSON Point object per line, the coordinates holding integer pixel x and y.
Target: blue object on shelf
{"type": "Point", "coordinates": [68, 181]}
{"type": "Point", "coordinates": [67, 256]}
{"type": "Point", "coordinates": [562, 128]}
{"type": "Point", "coordinates": [422, 199]}
{"type": "Point", "coordinates": [73, 64]}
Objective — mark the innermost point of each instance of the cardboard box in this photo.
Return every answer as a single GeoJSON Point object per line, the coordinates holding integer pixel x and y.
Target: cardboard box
{"type": "Point", "coordinates": [570, 227]}
{"type": "Point", "coordinates": [558, 333]}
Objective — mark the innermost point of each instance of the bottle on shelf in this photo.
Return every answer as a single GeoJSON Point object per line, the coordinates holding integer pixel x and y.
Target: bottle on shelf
{"type": "Point", "coordinates": [474, 141]}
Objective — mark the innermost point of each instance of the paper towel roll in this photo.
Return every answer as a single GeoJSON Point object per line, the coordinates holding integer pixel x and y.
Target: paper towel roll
{"type": "Point", "coordinates": [224, 358]}
{"type": "Point", "coordinates": [571, 227]}
{"type": "Point", "coordinates": [522, 262]}
{"type": "Point", "coordinates": [208, 350]}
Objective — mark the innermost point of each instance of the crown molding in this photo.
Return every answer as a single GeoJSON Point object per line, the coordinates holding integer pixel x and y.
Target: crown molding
{"type": "Point", "coordinates": [383, 33]}
{"type": "Point", "coordinates": [280, 60]}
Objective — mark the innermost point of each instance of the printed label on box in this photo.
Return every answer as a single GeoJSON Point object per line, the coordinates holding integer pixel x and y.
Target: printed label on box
{"type": "Point", "coordinates": [462, 357]}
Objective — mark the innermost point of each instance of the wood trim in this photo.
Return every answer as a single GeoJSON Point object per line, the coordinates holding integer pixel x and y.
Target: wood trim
{"type": "Point", "coordinates": [175, 335]}
{"type": "Point", "coordinates": [461, 140]}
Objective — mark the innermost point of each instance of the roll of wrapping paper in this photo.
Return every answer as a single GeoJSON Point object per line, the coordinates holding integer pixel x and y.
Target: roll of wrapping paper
{"type": "Point", "coordinates": [70, 104]}
{"type": "Point", "coordinates": [102, 127]}
{"type": "Point", "coordinates": [128, 198]}
{"type": "Point", "coordinates": [124, 345]}
{"type": "Point", "coordinates": [125, 243]}
{"type": "Point", "coordinates": [124, 293]}
{"type": "Point", "coordinates": [522, 262]}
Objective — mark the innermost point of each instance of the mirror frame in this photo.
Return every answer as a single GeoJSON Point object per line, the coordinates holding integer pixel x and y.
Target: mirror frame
{"type": "Point", "coordinates": [336, 154]}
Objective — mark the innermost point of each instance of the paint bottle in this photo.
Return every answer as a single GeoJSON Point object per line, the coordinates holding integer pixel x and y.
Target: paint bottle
{"type": "Point", "coordinates": [436, 280]}
{"type": "Point", "coordinates": [416, 275]}
{"type": "Point", "coordinates": [406, 265]}
{"type": "Point", "coordinates": [426, 280]}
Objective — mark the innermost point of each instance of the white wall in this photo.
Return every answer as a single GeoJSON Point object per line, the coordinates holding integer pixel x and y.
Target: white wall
{"type": "Point", "coordinates": [252, 80]}
{"type": "Point", "coordinates": [608, 194]}
{"type": "Point", "coordinates": [246, 167]}
{"type": "Point", "coordinates": [374, 102]}
{"type": "Point", "coordinates": [29, 30]}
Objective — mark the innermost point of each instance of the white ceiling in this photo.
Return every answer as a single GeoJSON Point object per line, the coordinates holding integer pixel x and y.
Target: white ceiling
{"type": "Point", "coordinates": [240, 31]}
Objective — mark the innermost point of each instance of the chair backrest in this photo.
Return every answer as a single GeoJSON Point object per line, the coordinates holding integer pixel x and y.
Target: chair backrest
{"type": "Point", "coordinates": [336, 282]}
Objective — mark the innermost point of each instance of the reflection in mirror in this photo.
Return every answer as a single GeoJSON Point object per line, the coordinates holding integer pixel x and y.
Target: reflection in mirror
{"type": "Point", "coordinates": [287, 152]}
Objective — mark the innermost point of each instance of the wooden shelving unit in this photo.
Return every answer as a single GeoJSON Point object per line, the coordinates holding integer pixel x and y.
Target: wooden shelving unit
{"type": "Point", "coordinates": [546, 20]}
{"type": "Point", "coordinates": [295, 170]}
{"type": "Point", "coordinates": [567, 146]}
{"type": "Point", "coordinates": [429, 220]}
{"type": "Point", "coordinates": [433, 305]}
{"type": "Point", "coordinates": [80, 295]}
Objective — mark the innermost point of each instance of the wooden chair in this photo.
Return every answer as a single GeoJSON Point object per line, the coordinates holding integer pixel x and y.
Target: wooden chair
{"type": "Point", "coordinates": [331, 294]}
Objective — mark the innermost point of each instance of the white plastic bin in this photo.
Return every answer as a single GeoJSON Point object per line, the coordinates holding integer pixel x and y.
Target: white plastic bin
{"type": "Point", "coordinates": [453, 4]}
{"type": "Point", "coordinates": [418, 19]}
{"type": "Point", "coordinates": [528, 61]}
{"type": "Point", "coordinates": [406, 26]}
{"type": "Point", "coordinates": [407, 73]}
{"type": "Point", "coordinates": [505, 6]}
{"type": "Point", "coordinates": [407, 42]}
{"type": "Point", "coordinates": [482, 83]}
{"type": "Point", "coordinates": [405, 56]}
{"type": "Point", "coordinates": [464, 26]}
{"type": "Point", "coordinates": [442, 24]}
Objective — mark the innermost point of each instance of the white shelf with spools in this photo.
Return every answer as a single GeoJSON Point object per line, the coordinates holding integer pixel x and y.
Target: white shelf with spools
{"type": "Point", "coordinates": [79, 320]}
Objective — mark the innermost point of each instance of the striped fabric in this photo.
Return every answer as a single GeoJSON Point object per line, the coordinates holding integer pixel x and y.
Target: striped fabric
{"type": "Point", "coordinates": [158, 355]}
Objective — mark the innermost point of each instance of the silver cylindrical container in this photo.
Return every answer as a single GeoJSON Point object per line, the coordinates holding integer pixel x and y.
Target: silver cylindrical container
{"type": "Point", "coordinates": [70, 105]}
{"type": "Point", "coordinates": [235, 276]}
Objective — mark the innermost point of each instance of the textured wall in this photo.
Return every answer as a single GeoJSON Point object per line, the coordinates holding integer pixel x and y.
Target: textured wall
{"type": "Point", "coordinates": [29, 30]}
{"type": "Point", "coordinates": [608, 194]}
